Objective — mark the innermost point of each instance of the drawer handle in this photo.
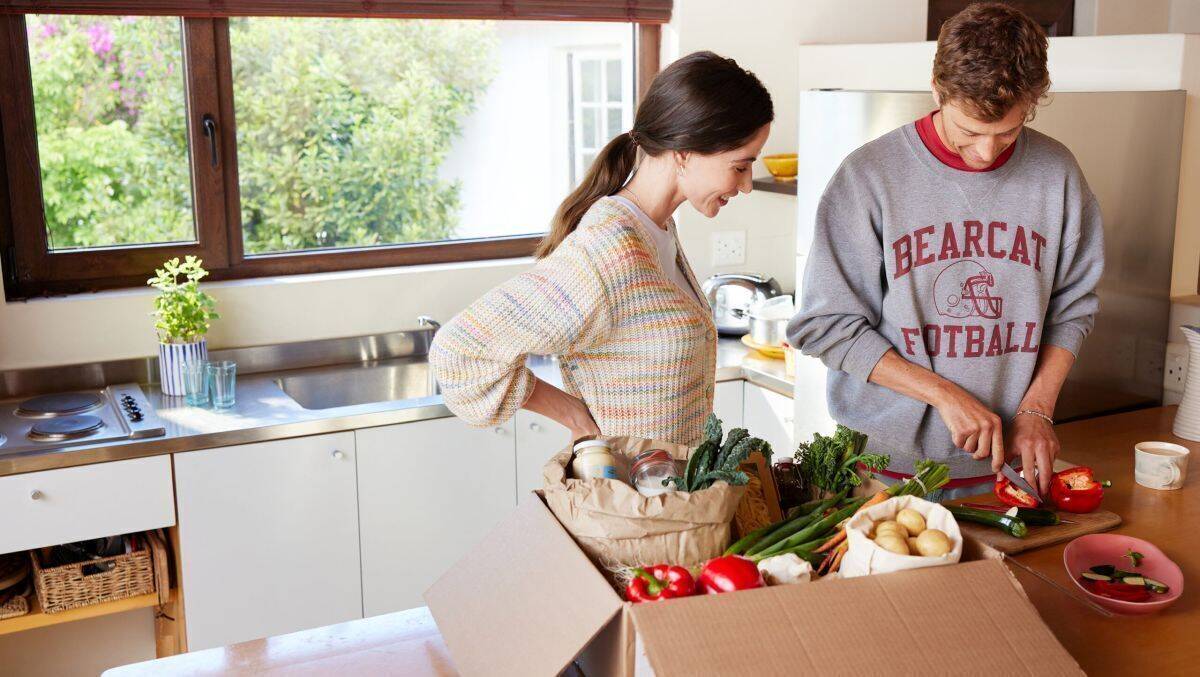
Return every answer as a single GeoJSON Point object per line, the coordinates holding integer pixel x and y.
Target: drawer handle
{"type": "Point", "coordinates": [499, 430]}
{"type": "Point", "coordinates": [535, 427]}
{"type": "Point", "coordinates": [338, 454]}
{"type": "Point", "coordinates": [36, 494]}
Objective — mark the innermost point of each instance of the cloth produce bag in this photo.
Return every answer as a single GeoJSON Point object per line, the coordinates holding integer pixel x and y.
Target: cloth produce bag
{"type": "Point", "coordinates": [619, 528]}
{"type": "Point", "coordinates": [863, 557]}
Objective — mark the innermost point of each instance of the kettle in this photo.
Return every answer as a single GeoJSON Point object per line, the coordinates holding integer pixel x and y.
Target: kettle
{"type": "Point", "coordinates": [731, 294]}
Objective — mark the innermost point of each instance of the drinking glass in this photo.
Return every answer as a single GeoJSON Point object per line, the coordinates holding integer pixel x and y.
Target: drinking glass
{"type": "Point", "coordinates": [195, 383]}
{"type": "Point", "coordinates": [222, 380]}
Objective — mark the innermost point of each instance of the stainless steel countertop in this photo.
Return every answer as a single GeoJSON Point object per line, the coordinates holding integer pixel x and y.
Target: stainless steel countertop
{"type": "Point", "coordinates": [264, 412]}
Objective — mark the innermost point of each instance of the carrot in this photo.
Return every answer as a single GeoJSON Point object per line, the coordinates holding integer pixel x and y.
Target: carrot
{"type": "Point", "coordinates": [837, 557]}
{"type": "Point", "coordinates": [840, 536]}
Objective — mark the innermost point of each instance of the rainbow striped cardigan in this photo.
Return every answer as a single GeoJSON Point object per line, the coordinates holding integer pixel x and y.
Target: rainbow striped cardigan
{"type": "Point", "coordinates": [638, 350]}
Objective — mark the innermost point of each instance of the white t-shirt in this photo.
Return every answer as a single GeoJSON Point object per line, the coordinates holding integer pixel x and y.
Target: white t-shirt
{"type": "Point", "coordinates": [666, 243]}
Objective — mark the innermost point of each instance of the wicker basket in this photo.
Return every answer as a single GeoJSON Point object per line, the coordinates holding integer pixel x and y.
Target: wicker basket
{"type": "Point", "coordinates": [67, 587]}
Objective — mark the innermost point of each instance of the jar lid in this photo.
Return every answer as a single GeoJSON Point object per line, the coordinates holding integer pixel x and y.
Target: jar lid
{"type": "Point", "coordinates": [652, 457]}
{"type": "Point", "coordinates": [585, 444]}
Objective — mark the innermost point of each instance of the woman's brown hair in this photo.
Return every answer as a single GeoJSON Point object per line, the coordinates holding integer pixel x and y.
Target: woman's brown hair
{"type": "Point", "coordinates": [991, 57]}
{"type": "Point", "coordinates": [702, 103]}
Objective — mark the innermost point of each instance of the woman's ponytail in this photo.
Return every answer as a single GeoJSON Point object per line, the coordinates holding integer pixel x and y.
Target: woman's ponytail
{"type": "Point", "coordinates": [608, 173]}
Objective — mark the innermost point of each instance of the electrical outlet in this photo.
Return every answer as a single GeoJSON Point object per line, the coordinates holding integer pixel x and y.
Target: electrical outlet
{"type": "Point", "coordinates": [729, 248]}
{"type": "Point", "coordinates": [1175, 371]}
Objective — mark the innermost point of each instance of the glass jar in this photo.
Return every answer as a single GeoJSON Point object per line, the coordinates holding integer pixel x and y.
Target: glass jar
{"type": "Point", "coordinates": [593, 460]}
{"type": "Point", "coordinates": [787, 482]}
{"type": "Point", "coordinates": [650, 470]}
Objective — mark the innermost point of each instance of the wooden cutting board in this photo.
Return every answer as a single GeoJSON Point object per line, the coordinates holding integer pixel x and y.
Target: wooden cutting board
{"type": "Point", "coordinates": [1086, 523]}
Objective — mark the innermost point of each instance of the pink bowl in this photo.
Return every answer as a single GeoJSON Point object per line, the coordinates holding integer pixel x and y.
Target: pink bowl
{"type": "Point", "coordinates": [1094, 549]}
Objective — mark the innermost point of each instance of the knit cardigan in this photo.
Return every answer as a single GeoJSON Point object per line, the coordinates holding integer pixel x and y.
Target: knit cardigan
{"type": "Point", "coordinates": [638, 350]}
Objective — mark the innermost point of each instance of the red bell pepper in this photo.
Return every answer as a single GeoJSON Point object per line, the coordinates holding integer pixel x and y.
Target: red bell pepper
{"type": "Point", "coordinates": [1011, 494]}
{"type": "Point", "coordinates": [659, 582]}
{"type": "Point", "coordinates": [1075, 490]}
{"type": "Point", "coordinates": [1114, 590]}
{"type": "Point", "coordinates": [729, 573]}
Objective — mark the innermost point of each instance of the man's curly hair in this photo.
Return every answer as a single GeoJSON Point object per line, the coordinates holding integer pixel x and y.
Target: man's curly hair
{"type": "Point", "coordinates": [991, 57]}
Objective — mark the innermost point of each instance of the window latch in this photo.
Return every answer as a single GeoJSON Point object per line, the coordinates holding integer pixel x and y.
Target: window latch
{"type": "Point", "coordinates": [210, 130]}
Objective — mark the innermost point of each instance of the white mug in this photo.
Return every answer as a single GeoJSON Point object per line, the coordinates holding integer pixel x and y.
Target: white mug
{"type": "Point", "coordinates": [1160, 465]}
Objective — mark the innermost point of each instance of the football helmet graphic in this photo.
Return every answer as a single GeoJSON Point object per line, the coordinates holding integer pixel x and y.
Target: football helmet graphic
{"type": "Point", "coordinates": [964, 289]}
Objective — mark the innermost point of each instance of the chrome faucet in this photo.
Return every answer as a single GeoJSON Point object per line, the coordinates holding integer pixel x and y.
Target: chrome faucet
{"type": "Point", "coordinates": [427, 321]}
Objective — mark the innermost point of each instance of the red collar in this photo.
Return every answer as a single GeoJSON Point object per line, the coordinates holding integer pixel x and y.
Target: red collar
{"type": "Point", "coordinates": [933, 142]}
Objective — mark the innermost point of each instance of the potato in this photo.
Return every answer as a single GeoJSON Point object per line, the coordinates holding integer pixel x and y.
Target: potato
{"type": "Point", "coordinates": [891, 526]}
{"type": "Point", "coordinates": [892, 543]}
{"type": "Point", "coordinates": [911, 520]}
{"type": "Point", "coordinates": [933, 543]}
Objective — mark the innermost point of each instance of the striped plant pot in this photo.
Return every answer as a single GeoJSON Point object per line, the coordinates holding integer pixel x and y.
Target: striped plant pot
{"type": "Point", "coordinates": [171, 358]}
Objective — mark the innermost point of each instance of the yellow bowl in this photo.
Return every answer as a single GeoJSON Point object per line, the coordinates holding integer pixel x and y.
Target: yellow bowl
{"type": "Point", "coordinates": [782, 166]}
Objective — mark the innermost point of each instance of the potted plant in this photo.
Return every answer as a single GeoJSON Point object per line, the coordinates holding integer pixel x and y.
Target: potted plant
{"type": "Point", "coordinates": [182, 315]}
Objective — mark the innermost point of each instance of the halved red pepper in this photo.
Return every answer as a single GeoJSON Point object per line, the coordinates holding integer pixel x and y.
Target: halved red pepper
{"type": "Point", "coordinates": [1076, 490]}
{"type": "Point", "coordinates": [662, 581]}
{"type": "Point", "coordinates": [729, 573]}
{"type": "Point", "coordinates": [1114, 590]}
{"type": "Point", "coordinates": [1011, 494]}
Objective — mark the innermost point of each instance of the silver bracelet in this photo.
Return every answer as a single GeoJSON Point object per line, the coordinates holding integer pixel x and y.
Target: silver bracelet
{"type": "Point", "coordinates": [1034, 412]}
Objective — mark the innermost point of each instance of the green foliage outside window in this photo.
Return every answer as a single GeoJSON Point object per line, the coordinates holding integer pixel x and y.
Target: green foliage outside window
{"type": "Point", "coordinates": [342, 125]}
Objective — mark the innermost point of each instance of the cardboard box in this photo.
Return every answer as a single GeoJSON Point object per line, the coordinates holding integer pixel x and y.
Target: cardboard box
{"type": "Point", "coordinates": [527, 601]}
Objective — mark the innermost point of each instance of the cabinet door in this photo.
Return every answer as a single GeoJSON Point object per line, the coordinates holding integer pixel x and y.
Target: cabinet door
{"type": "Point", "coordinates": [727, 404]}
{"type": "Point", "coordinates": [769, 415]}
{"type": "Point", "coordinates": [268, 538]}
{"type": "Point", "coordinates": [538, 438]}
{"type": "Point", "coordinates": [428, 492]}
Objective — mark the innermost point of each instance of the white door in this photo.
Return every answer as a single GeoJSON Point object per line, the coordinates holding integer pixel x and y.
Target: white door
{"type": "Point", "coordinates": [538, 438]}
{"type": "Point", "coordinates": [727, 404]}
{"type": "Point", "coordinates": [268, 538]}
{"type": "Point", "coordinates": [769, 415]}
{"type": "Point", "coordinates": [428, 492]}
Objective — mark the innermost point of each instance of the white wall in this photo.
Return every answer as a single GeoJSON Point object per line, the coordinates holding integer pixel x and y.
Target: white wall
{"type": "Point", "coordinates": [512, 156]}
{"type": "Point", "coordinates": [1131, 17]}
{"type": "Point", "coordinates": [764, 37]}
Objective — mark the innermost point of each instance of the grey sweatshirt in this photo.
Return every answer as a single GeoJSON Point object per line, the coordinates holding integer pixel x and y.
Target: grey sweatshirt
{"type": "Point", "coordinates": [964, 273]}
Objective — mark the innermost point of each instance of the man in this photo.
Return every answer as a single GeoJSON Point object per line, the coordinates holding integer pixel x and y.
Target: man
{"type": "Point", "coordinates": [952, 276]}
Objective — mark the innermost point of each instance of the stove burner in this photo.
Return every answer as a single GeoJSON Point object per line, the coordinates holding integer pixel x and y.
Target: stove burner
{"type": "Point", "coordinates": [69, 428]}
{"type": "Point", "coordinates": [59, 404]}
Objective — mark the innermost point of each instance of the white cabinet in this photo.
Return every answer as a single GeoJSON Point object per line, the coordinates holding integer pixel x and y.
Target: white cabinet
{"type": "Point", "coordinates": [769, 415]}
{"type": "Point", "coordinates": [89, 501]}
{"type": "Point", "coordinates": [727, 404]}
{"type": "Point", "coordinates": [538, 438]}
{"type": "Point", "coordinates": [268, 538]}
{"type": "Point", "coordinates": [428, 492]}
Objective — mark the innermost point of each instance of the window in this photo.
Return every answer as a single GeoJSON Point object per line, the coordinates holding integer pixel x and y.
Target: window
{"type": "Point", "coordinates": [276, 145]}
{"type": "Point", "coordinates": [601, 102]}
{"type": "Point", "coordinates": [111, 134]}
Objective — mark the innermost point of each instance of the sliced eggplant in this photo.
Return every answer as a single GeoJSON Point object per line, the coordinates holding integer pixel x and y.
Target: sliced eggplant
{"type": "Point", "coordinates": [1093, 576]}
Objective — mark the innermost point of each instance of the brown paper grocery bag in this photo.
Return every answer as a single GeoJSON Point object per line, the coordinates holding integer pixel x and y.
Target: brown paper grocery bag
{"type": "Point", "coordinates": [619, 528]}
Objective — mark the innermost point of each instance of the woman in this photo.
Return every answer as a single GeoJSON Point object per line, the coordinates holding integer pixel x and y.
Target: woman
{"type": "Point", "coordinates": [612, 293]}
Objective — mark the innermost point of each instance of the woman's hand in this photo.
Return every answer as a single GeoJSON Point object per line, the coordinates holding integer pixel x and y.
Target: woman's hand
{"type": "Point", "coordinates": [568, 410]}
{"type": "Point", "coordinates": [1033, 439]}
{"type": "Point", "coordinates": [973, 427]}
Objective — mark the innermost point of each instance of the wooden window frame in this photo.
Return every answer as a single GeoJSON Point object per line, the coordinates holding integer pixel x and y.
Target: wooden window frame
{"type": "Point", "coordinates": [31, 269]}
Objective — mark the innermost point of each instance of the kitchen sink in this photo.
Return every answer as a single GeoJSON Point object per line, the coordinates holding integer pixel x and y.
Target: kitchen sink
{"type": "Point", "coordinates": [361, 383]}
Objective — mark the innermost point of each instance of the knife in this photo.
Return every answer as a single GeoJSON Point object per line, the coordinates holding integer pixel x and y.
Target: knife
{"type": "Point", "coordinates": [1015, 477]}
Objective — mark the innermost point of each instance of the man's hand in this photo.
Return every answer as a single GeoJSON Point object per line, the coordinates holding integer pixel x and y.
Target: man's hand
{"type": "Point", "coordinates": [973, 427]}
{"type": "Point", "coordinates": [1033, 439]}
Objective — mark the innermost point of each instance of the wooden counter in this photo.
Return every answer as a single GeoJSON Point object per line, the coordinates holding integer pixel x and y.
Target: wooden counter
{"type": "Point", "coordinates": [1163, 644]}
{"type": "Point", "coordinates": [408, 643]}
